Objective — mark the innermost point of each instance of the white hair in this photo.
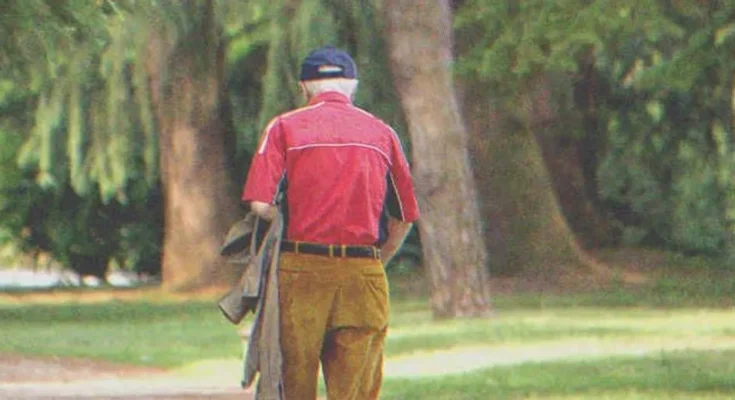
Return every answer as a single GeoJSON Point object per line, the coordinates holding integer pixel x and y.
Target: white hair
{"type": "Point", "coordinates": [344, 86]}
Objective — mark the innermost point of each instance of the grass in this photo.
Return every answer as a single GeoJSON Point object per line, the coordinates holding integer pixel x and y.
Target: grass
{"type": "Point", "coordinates": [550, 324]}
{"type": "Point", "coordinates": [673, 338]}
{"type": "Point", "coordinates": [176, 333]}
{"type": "Point", "coordinates": [132, 332]}
{"type": "Point", "coordinates": [413, 331]}
{"type": "Point", "coordinates": [671, 375]}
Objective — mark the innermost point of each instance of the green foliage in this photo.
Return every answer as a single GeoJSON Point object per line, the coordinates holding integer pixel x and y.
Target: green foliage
{"type": "Point", "coordinates": [11, 180]}
{"type": "Point", "coordinates": [665, 162]}
{"type": "Point", "coordinates": [82, 233]}
{"type": "Point", "coordinates": [668, 166]}
{"type": "Point", "coordinates": [83, 134]}
{"type": "Point", "coordinates": [39, 36]}
{"type": "Point", "coordinates": [353, 26]}
{"type": "Point", "coordinates": [88, 154]}
{"type": "Point", "coordinates": [512, 42]}
{"type": "Point", "coordinates": [87, 130]}
{"type": "Point", "coordinates": [249, 33]}
{"type": "Point", "coordinates": [83, 163]}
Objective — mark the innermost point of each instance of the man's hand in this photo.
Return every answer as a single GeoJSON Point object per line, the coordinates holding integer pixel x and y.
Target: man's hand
{"type": "Point", "coordinates": [263, 210]}
{"type": "Point", "coordinates": [397, 232]}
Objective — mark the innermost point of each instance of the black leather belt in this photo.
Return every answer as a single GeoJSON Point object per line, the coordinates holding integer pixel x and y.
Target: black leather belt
{"type": "Point", "coordinates": [332, 250]}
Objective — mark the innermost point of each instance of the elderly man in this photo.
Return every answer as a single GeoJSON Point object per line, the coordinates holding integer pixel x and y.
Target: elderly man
{"type": "Point", "coordinates": [349, 204]}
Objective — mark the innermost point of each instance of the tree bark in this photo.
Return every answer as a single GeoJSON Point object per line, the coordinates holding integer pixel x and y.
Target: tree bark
{"type": "Point", "coordinates": [194, 129]}
{"type": "Point", "coordinates": [566, 129]}
{"type": "Point", "coordinates": [527, 231]}
{"type": "Point", "coordinates": [419, 36]}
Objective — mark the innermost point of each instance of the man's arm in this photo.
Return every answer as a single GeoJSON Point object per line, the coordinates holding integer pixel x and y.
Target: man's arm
{"type": "Point", "coordinates": [397, 232]}
{"type": "Point", "coordinates": [401, 202]}
{"type": "Point", "coordinates": [266, 171]}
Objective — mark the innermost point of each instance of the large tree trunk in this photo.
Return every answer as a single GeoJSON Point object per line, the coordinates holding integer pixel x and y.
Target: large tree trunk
{"type": "Point", "coordinates": [566, 129]}
{"type": "Point", "coordinates": [195, 127]}
{"type": "Point", "coordinates": [527, 231]}
{"type": "Point", "coordinates": [420, 52]}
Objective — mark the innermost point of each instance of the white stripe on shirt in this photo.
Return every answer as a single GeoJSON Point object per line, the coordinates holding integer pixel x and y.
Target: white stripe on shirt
{"type": "Point", "coordinates": [273, 122]}
{"type": "Point", "coordinates": [367, 146]}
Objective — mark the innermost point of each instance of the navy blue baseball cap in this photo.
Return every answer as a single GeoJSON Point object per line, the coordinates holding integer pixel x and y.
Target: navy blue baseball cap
{"type": "Point", "coordinates": [328, 62]}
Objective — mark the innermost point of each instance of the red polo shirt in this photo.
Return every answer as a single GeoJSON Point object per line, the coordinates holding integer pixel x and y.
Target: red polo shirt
{"type": "Point", "coordinates": [343, 169]}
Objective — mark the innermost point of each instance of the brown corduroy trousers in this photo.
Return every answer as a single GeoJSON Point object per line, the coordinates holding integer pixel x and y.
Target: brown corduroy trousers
{"type": "Point", "coordinates": [334, 311]}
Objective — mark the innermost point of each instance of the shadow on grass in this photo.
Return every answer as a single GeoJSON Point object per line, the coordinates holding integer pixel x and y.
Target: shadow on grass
{"type": "Point", "coordinates": [674, 282]}
{"type": "Point", "coordinates": [145, 333]}
{"type": "Point", "coordinates": [667, 292]}
{"type": "Point", "coordinates": [132, 312]}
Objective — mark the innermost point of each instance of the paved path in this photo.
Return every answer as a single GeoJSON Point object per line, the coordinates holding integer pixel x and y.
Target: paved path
{"type": "Point", "coordinates": [130, 388]}
{"type": "Point", "coordinates": [52, 378]}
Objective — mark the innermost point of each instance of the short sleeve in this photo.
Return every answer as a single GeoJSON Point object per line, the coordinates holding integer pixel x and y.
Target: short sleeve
{"type": "Point", "coordinates": [401, 188]}
{"type": "Point", "coordinates": [268, 166]}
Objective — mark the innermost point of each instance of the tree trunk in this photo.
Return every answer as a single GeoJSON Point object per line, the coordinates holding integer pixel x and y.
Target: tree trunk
{"type": "Point", "coordinates": [419, 36]}
{"type": "Point", "coordinates": [566, 130]}
{"type": "Point", "coordinates": [527, 232]}
{"type": "Point", "coordinates": [194, 128]}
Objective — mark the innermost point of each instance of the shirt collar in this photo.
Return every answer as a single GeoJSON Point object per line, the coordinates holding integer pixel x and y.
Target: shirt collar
{"type": "Point", "coordinates": [330, 97]}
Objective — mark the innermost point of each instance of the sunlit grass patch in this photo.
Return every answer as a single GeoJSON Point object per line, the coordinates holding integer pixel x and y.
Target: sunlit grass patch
{"type": "Point", "coordinates": [412, 328]}
{"type": "Point", "coordinates": [680, 374]}
{"type": "Point", "coordinates": [637, 395]}
{"type": "Point", "coordinates": [440, 335]}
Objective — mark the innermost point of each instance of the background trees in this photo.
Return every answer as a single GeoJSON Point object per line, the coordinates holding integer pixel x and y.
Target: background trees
{"type": "Point", "coordinates": [127, 126]}
{"type": "Point", "coordinates": [184, 61]}
{"type": "Point", "coordinates": [552, 73]}
{"type": "Point", "coordinates": [455, 259]}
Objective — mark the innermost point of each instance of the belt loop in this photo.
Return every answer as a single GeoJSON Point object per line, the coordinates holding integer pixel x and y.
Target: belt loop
{"type": "Point", "coordinates": [375, 253]}
{"type": "Point", "coordinates": [331, 251]}
{"type": "Point", "coordinates": [344, 250]}
{"type": "Point", "coordinates": [296, 247]}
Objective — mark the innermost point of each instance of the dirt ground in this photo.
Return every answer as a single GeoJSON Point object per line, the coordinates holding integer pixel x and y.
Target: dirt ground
{"type": "Point", "coordinates": [16, 369]}
{"type": "Point", "coordinates": [65, 378]}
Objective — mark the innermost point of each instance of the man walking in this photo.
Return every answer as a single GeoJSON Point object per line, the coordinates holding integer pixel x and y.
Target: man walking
{"type": "Point", "coordinates": [349, 204]}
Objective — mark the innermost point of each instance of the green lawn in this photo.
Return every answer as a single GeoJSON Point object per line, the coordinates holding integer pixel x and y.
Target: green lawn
{"type": "Point", "coordinates": [674, 339]}
{"type": "Point", "coordinates": [670, 375]}
{"type": "Point", "coordinates": [138, 332]}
